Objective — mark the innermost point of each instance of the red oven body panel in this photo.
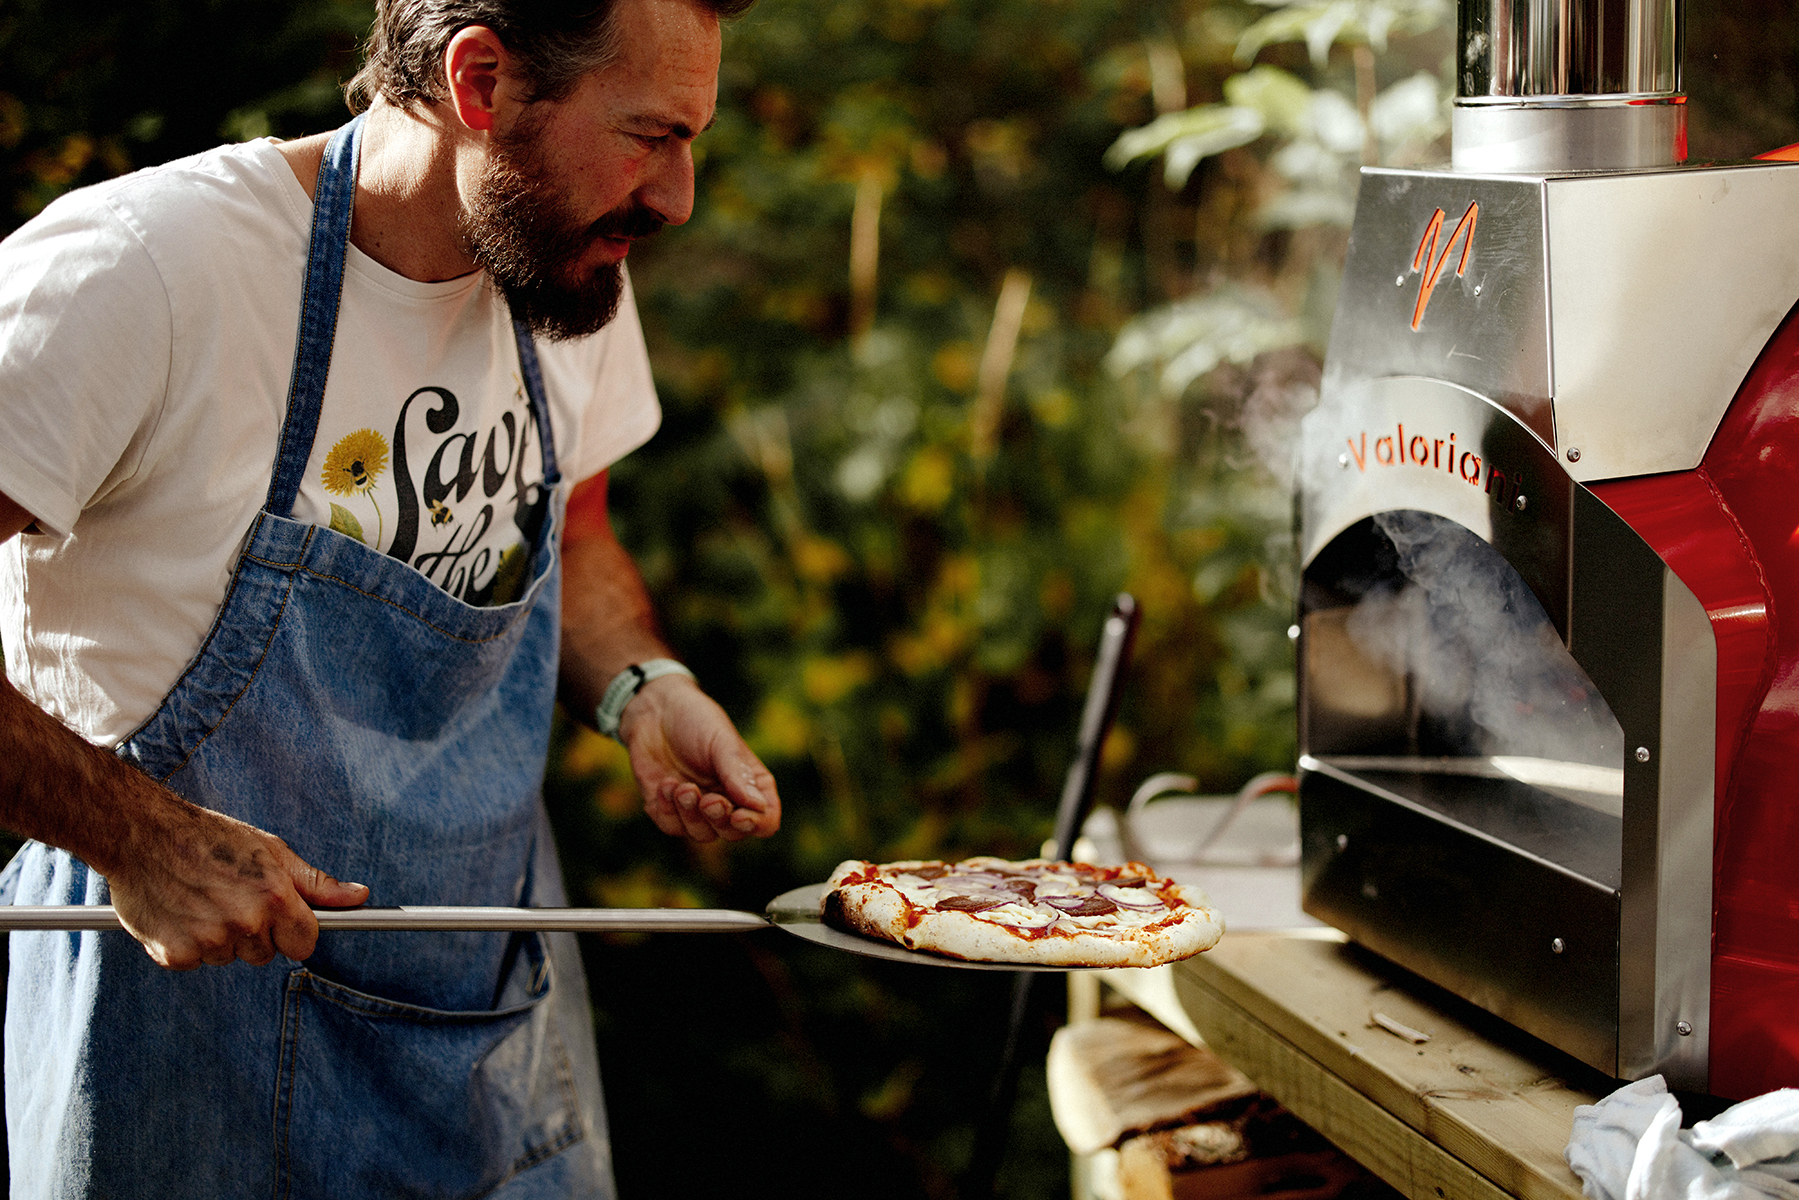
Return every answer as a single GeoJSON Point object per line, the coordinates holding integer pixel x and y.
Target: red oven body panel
{"type": "Point", "coordinates": [1730, 531]}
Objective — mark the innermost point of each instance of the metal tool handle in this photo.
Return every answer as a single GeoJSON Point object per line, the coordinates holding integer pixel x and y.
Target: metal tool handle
{"type": "Point", "coordinates": [571, 920]}
{"type": "Point", "coordinates": [1103, 692]}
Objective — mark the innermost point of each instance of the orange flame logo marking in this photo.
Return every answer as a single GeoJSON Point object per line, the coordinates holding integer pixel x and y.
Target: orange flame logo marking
{"type": "Point", "coordinates": [1430, 261]}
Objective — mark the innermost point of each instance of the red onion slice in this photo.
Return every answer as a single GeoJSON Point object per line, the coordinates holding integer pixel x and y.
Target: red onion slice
{"type": "Point", "coordinates": [1124, 897]}
{"type": "Point", "coordinates": [972, 881]}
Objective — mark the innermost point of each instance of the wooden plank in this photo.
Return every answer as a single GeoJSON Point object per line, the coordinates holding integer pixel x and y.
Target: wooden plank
{"type": "Point", "coordinates": [1506, 1112]}
{"type": "Point", "coordinates": [1152, 988]}
{"type": "Point", "coordinates": [1478, 1092]}
{"type": "Point", "coordinates": [1357, 1125]}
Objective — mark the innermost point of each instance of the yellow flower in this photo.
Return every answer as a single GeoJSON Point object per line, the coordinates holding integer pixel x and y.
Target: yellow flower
{"type": "Point", "coordinates": [355, 462]}
{"type": "Point", "coordinates": [781, 730]}
{"type": "Point", "coordinates": [818, 559]}
{"type": "Point", "coordinates": [828, 680]}
{"type": "Point", "coordinates": [930, 479]}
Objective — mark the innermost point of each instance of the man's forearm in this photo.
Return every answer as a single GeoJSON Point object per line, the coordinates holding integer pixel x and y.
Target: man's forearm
{"type": "Point", "coordinates": [64, 791]}
{"type": "Point", "coordinates": [697, 776]}
{"type": "Point", "coordinates": [608, 622]}
{"type": "Point", "coordinates": [57, 787]}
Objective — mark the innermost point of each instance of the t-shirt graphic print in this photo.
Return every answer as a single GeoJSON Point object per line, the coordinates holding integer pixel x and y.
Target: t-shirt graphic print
{"type": "Point", "coordinates": [427, 448]}
{"type": "Point", "coordinates": [459, 498]}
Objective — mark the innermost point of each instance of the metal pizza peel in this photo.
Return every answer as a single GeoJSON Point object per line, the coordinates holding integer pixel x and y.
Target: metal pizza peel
{"type": "Point", "coordinates": [795, 912]}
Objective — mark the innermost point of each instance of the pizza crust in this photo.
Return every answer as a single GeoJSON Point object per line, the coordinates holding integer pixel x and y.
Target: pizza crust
{"type": "Point", "coordinates": [871, 899]}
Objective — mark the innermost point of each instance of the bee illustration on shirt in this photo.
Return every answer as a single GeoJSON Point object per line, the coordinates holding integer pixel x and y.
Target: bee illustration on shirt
{"type": "Point", "coordinates": [440, 512]}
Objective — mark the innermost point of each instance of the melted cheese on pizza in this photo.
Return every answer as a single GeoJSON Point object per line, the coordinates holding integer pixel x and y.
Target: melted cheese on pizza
{"type": "Point", "coordinates": [1036, 897]}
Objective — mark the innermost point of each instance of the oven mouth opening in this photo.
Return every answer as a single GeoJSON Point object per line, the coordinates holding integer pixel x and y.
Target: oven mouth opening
{"type": "Point", "coordinates": [1432, 674]}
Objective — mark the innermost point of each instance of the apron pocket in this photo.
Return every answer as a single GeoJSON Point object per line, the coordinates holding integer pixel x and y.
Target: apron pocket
{"type": "Point", "coordinates": [381, 1099]}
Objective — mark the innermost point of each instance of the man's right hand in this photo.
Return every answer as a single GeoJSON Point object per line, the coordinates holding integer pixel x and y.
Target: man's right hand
{"type": "Point", "coordinates": [204, 888]}
{"type": "Point", "coordinates": [190, 884]}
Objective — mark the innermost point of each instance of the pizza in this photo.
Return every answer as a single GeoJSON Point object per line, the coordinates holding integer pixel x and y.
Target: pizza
{"type": "Point", "coordinates": [1033, 912]}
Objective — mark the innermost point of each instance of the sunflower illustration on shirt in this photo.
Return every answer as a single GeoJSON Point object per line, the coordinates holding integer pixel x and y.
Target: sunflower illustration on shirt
{"type": "Point", "coordinates": [352, 468]}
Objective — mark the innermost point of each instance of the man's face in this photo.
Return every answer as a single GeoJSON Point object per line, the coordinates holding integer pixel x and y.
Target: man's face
{"type": "Point", "coordinates": [572, 182]}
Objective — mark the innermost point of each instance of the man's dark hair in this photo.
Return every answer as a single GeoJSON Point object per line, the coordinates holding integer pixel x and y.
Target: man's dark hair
{"type": "Point", "coordinates": [555, 43]}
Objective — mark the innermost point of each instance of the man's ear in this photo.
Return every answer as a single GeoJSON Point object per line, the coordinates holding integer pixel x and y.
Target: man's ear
{"type": "Point", "coordinates": [478, 70]}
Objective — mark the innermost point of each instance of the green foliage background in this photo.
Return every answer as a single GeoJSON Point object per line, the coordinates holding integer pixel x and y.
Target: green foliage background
{"type": "Point", "coordinates": [884, 532]}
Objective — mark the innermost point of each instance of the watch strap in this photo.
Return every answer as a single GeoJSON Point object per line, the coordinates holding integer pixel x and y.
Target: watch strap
{"type": "Point", "coordinates": [625, 686]}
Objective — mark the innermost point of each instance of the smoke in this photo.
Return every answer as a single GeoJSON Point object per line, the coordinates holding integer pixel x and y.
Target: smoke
{"type": "Point", "coordinates": [1488, 672]}
{"type": "Point", "coordinates": [1264, 402]}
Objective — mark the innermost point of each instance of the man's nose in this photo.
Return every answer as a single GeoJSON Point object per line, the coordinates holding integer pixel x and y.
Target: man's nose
{"type": "Point", "coordinates": [668, 189]}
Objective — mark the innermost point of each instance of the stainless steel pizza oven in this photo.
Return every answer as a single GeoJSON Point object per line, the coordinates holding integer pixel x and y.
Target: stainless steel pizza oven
{"type": "Point", "coordinates": [1549, 516]}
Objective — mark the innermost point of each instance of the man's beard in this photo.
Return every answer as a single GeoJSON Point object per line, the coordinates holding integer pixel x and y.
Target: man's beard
{"type": "Point", "coordinates": [524, 235]}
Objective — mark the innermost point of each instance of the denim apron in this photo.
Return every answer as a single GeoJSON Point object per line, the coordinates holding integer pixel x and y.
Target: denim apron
{"type": "Point", "coordinates": [393, 735]}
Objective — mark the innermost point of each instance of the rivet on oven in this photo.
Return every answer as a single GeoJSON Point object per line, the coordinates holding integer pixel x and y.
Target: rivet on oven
{"type": "Point", "coordinates": [1520, 503]}
{"type": "Point", "coordinates": [1343, 460]}
{"type": "Point", "coordinates": [1573, 453]}
{"type": "Point", "coordinates": [1477, 288]}
{"type": "Point", "coordinates": [1342, 841]}
{"type": "Point", "coordinates": [1683, 1029]}
{"type": "Point", "coordinates": [1557, 945]}
{"type": "Point", "coordinates": [1642, 754]}
{"type": "Point", "coordinates": [1400, 282]}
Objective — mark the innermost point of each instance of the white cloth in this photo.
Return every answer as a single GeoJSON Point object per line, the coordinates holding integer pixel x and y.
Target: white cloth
{"type": "Point", "coordinates": [146, 338]}
{"type": "Point", "coordinates": [1630, 1146]}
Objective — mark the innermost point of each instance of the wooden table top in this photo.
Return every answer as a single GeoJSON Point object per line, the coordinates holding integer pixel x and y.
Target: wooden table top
{"type": "Point", "coordinates": [1478, 1111]}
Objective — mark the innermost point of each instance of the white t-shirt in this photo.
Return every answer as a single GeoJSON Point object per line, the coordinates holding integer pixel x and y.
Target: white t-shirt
{"type": "Point", "coordinates": [146, 340]}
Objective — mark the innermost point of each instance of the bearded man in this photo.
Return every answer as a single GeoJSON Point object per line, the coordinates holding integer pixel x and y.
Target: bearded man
{"type": "Point", "coordinates": [271, 601]}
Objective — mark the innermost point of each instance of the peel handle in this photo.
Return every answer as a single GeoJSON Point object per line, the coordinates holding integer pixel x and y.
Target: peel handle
{"type": "Point", "coordinates": [573, 920]}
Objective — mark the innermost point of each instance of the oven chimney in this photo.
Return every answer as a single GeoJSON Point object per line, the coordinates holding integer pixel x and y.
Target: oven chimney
{"type": "Point", "coordinates": [1550, 86]}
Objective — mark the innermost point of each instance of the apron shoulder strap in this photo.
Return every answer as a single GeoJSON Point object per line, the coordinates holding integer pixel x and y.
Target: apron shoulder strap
{"type": "Point", "coordinates": [333, 198]}
{"type": "Point", "coordinates": [540, 405]}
